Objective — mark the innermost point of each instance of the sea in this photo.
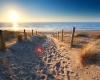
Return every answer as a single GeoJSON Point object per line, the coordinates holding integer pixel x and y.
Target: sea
{"type": "Point", "coordinates": [52, 26]}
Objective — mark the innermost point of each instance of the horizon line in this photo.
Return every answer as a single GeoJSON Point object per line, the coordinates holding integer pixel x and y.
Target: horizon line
{"type": "Point", "coordinates": [55, 22]}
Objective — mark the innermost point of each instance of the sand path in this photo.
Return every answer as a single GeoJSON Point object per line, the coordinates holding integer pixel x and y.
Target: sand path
{"type": "Point", "coordinates": [57, 63]}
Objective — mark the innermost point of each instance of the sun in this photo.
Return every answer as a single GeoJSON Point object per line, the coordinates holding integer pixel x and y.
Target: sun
{"type": "Point", "coordinates": [13, 15]}
{"type": "Point", "coordinates": [14, 19]}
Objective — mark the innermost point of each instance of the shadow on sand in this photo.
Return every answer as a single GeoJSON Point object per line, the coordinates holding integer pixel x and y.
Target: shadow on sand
{"type": "Point", "coordinates": [93, 59]}
{"type": "Point", "coordinates": [77, 46]}
{"type": "Point", "coordinates": [25, 64]}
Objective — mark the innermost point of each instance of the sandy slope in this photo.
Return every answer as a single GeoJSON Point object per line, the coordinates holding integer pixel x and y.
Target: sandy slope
{"type": "Point", "coordinates": [91, 72]}
{"type": "Point", "coordinates": [59, 62]}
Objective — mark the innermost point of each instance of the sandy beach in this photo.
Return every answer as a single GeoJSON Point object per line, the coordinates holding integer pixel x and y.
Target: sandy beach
{"type": "Point", "coordinates": [58, 61]}
{"type": "Point", "coordinates": [49, 39]}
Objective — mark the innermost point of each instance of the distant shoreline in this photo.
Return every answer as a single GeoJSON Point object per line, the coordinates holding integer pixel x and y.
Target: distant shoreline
{"type": "Point", "coordinates": [54, 26]}
{"type": "Point", "coordinates": [46, 22]}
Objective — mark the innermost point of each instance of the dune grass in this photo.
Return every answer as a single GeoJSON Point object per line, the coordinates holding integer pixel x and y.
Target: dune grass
{"type": "Point", "coordinates": [97, 37]}
{"type": "Point", "coordinates": [82, 34]}
{"type": "Point", "coordinates": [90, 54]}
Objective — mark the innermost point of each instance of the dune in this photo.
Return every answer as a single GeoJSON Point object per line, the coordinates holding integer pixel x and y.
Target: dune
{"type": "Point", "coordinates": [56, 61]}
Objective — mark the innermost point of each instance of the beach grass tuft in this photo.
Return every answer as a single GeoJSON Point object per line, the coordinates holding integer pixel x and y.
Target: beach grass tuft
{"type": "Point", "coordinates": [82, 34]}
{"type": "Point", "coordinates": [90, 54]}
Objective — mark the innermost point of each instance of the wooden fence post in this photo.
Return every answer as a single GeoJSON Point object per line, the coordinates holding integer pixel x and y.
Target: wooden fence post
{"type": "Point", "coordinates": [62, 35]}
{"type": "Point", "coordinates": [25, 34]}
{"type": "Point", "coordinates": [68, 76]}
{"type": "Point", "coordinates": [32, 32]}
{"type": "Point", "coordinates": [2, 42]}
{"type": "Point", "coordinates": [72, 36]}
{"type": "Point", "coordinates": [36, 32]}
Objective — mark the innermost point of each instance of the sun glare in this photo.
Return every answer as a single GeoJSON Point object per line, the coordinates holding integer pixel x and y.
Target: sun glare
{"type": "Point", "coordinates": [15, 27]}
{"type": "Point", "coordinates": [14, 19]}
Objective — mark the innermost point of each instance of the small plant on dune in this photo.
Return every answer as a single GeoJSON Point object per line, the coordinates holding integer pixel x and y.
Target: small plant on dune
{"type": "Point", "coordinates": [8, 35]}
{"type": "Point", "coordinates": [82, 35]}
{"type": "Point", "coordinates": [90, 54]}
{"type": "Point", "coordinates": [97, 37]}
{"type": "Point", "coordinates": [19, 38]}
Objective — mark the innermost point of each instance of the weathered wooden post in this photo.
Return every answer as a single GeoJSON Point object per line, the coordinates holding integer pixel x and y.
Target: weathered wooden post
{"type": "Point", "coordinates": [62, 37]}
{"type": "Point", "coordinates": [72, 36]}
{"type": "Point", "coordinates": [36, 32]}
{"type": "Point", "coordinates": [68, 76]}
{"type": "Point", "coordinates": [25, 34]}
{"type": "Point", "coordinates": [58, 35]}
{"type": "Point", "coordinates": [2, 42]}
{"type": "Point", "coordinates": [32, 32]}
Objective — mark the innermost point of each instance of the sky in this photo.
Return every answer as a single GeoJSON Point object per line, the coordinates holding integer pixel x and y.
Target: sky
{"type": "Point", "coordinates": [51, 10]}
